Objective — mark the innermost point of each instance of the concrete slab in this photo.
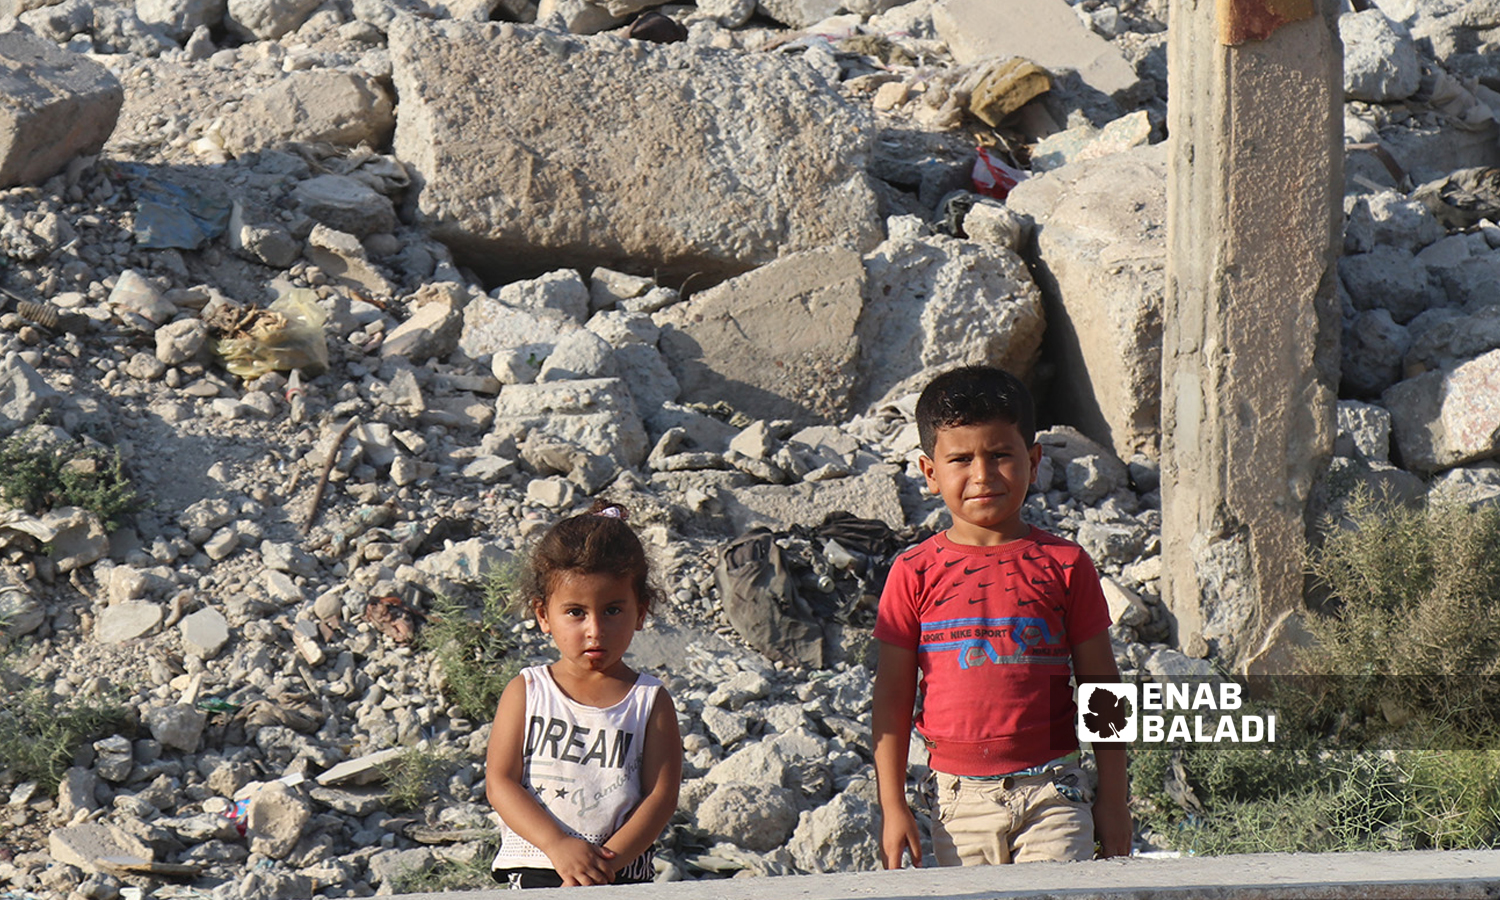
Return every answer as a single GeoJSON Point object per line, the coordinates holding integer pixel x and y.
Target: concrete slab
{"type": "Point", "coordinates": [1450, 875]}
{"type": "Point", "coordinates": [1047, 32]}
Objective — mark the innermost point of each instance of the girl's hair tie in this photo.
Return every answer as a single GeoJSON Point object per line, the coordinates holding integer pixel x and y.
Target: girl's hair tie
{"type": "Point", "coordinates": [611, 512]}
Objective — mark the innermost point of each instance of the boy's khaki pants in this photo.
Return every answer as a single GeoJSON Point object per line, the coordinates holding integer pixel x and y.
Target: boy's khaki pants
{"type": "Point", "coordinates": [1012, 819]}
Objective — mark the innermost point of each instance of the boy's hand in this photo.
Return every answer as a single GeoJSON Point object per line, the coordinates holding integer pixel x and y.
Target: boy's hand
{"type": "Point", "coordinates": [580, 863]}
{"type": "Point", "coordinates": [898, 833]}
{"type": "Point", "coordinates": [1112, 827]}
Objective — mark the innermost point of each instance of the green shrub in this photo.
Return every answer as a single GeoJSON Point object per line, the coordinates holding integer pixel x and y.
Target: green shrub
{"type": "Point", "coordinates": [452, 875]}
{"type": "Point", "coordinates": [1412, 626]}
{"type": "Point", "coordinates": [40, 732]}
{"type": "Point", "coordinates": [37, 475]}
{"type": "Point", "coordinates": [413, 777]}
{"type": "Point", "coordinates": [474, 646]}
{"type": "Point", "coordinates": [1386, 732]}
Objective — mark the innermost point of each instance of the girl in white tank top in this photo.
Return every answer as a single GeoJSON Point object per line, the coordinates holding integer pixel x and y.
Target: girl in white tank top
{"type": "Point", "coordinates": [585, 757]}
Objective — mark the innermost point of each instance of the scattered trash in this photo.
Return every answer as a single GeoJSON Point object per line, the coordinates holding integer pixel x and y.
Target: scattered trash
{"type": "Point", "coordinates": [296, 397]}
{"type": "Point", "coordinates": [393, 618]}
{"type": "Point", "coordinates": [333, 455]}
{"type": "Point", "coordinates": [286, 335]}
{"type": "Point", "coordinates": [992, 177]}
{"type": "Point", "coordinates": [216, 704]}
{"type": "Point", "coordinates": [1463, 198]}
{"type": "Point", "coordinates": [782, 590]}
{"type": "Point", "coordinates": [171, 216]}
{"type": "Point", "coordinates": [364, 519]}
{"type": "Point", "coordinates": [658, 28]}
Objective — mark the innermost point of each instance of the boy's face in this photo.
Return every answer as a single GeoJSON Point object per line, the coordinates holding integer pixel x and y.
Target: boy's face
{"type": "Point", "coordinates": [982, 472]}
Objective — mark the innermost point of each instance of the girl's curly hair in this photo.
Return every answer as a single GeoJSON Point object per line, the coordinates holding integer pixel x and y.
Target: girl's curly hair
{"type": "Point", "coordinates": [597, 542]}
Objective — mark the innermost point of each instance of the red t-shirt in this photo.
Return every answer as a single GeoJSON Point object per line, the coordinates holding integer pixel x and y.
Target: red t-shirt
{"type": "Point", "coordinates": [994, 630]}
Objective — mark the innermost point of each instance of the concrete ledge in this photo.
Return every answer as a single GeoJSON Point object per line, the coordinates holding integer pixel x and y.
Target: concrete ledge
{"type": "Point", "coordinates": [1446, 875]}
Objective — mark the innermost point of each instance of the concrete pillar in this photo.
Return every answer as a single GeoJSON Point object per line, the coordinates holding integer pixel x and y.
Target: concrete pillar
{"type": "Point", "coordinates": [1250, 343]}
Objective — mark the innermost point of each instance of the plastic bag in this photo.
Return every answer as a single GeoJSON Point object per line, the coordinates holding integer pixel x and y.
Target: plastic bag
{"type": "Point", "coordinates": [992, 177]}
{"type": "Point", "coordinates": [286, 335]}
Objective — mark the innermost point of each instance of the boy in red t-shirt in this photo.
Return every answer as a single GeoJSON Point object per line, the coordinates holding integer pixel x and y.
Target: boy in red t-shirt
{"type": "Point", "coordinates": [991, 612]}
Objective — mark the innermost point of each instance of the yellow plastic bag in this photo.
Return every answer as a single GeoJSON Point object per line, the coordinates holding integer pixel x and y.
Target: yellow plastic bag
{"type": "Point", "coordinates": [286, 335]}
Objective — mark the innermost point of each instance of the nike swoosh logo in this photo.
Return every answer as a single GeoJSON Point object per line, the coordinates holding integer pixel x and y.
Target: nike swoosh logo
{"type": "Point", "coordinates": [944, 600]}
{"type": "Point", "coordinates": [969, 571]}
{"type": "Point", "coordinates": [984, 584]}
{"type": "Point", "coordinates": [974, 600]}
{"type": "Point", "coordinates": [1041, 581]}
{"type": "Point", "coordinates": [951, 563]}
{"type": "Point", "coordinates": [1024, 602]}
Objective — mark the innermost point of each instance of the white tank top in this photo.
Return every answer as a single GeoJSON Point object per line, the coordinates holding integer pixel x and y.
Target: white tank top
{"type": "Point", "coordinates": [583, 765]}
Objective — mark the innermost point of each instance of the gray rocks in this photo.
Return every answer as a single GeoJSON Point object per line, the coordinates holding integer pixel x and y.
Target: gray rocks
{"type": "Point", "coordinates": [24, 395]}
{"type": "Point", "coordinates": [322, 105]}
{"type": "Point", "coordinates": [204, 633]}
{"type": "Point", "coordinates": [592, 422]}
{"type": "Point", "coordinates": [657, 176]}
{"type": "Point", "coordinates": [126, 621]}
{"type": "Point", "coordinates": [778, 342]}
{"type": "Point", "coordinates": [1101, 237]}
{"type": "Point", "coordinates": [798, 13]}
{"type": "Point", "coordinates": [178, 726]}
{"type": "Point", "coordinates": [936, 302]}
{"type": "Point", "coordinates": [266, 19]}
{"type": "Point", "coordinates": [1445, 418]}
{"type": "Point", "coordinates": [54, 106]}
{"type": "Point", "coordinates": [1047, 33]}
{"type": "Point", "coordinates": [345, 204]}
{"type": "Point", "coordinates": [1380, 63]}
{"type": "Point", "coordinates": [181, 17]}
{"type": "Point", "coordinates": [755, 816]}
{"type": "Point", "coordinates": [1389, 279]}
{"type": "Point", "coordinates": [275, 820]}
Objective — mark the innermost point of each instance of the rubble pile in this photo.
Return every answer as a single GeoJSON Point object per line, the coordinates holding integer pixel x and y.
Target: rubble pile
{"type": "Point", "coordinates": [367, 293]}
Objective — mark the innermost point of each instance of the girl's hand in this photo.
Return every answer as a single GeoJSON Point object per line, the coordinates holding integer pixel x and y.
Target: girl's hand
{"type": "Point", "coordinates": [579, 862]}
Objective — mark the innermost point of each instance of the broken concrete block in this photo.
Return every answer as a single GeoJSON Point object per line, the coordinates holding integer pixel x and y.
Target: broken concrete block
{"type": "Point", "coordinates": [363, 770]}
{"type": "Point", "coordinates": [1447, 418]}
{"type": "Point", "coordinates": [178, 726]}
{"type": "Point", "coordinates": [433, 328]}
{"type": "Point", "coordinates": [54, 106]}
{"type": "Point", "coordinates": [532, 149]}
{"type": "Point", "coordinates": [938, 302]}
{"type": "Point", "coordinates": [204, 633]}
{"type": "Point", "coordinates": [122, 622]}
{"type": "Point", "coordinates": [1101, 239]}
{"type": "Point", "coordinates": [24, 395]}
{"type": "Point", "coordinates": [181, 17]}
{"type": "Point", "coordinates": [798, 13]}
{"type": "Point", "coordinates": [596, 416]}
{"type": "Point", "coordinates": [266, 19]}
{"type": "Point", "coordinates": [275, 819]}
{"type": "Point", "coordinates": [1047, 32]}
{"type": "Point", "coordinates": [345, 204]}
{"type": "Point", "coordinates": [777, 342]}
{"type": "Point", "coordinates": [319, 105]}
{"type": "Point", "coordinates": [84, 845]}
{"type": "Point", "coordinates": [1087, 142]}
{"type": "Point", "coordinates": [872, 494]}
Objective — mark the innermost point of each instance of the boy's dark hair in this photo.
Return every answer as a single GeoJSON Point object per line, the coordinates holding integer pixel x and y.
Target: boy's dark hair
{"type": "Point", "coordinates": [972, 395]}
{"type": "Point", "coordinates": [596, 542]}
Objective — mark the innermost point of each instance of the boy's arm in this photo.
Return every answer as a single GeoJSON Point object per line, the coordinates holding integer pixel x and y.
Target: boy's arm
{"type": "Point", "coordinates": [1094, 660]}
{"type": "Point", "coordinates": [661, 778]}
{"type": "Point", "coordinates": [576, 860]}
{"type": "Point", "coordinates": [895, 693]}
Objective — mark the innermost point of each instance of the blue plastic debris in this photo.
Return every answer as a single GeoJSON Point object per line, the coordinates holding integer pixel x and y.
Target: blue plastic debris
{"type": "Point", "coordinates": [169, 215]}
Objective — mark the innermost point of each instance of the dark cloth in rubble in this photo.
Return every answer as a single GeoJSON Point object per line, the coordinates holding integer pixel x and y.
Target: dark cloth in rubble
{"type": "Point", "coordinates": [786, 592]}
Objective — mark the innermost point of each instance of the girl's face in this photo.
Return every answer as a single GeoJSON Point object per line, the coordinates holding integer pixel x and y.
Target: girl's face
{"type": "Point", "coordinates": [592, 618]}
